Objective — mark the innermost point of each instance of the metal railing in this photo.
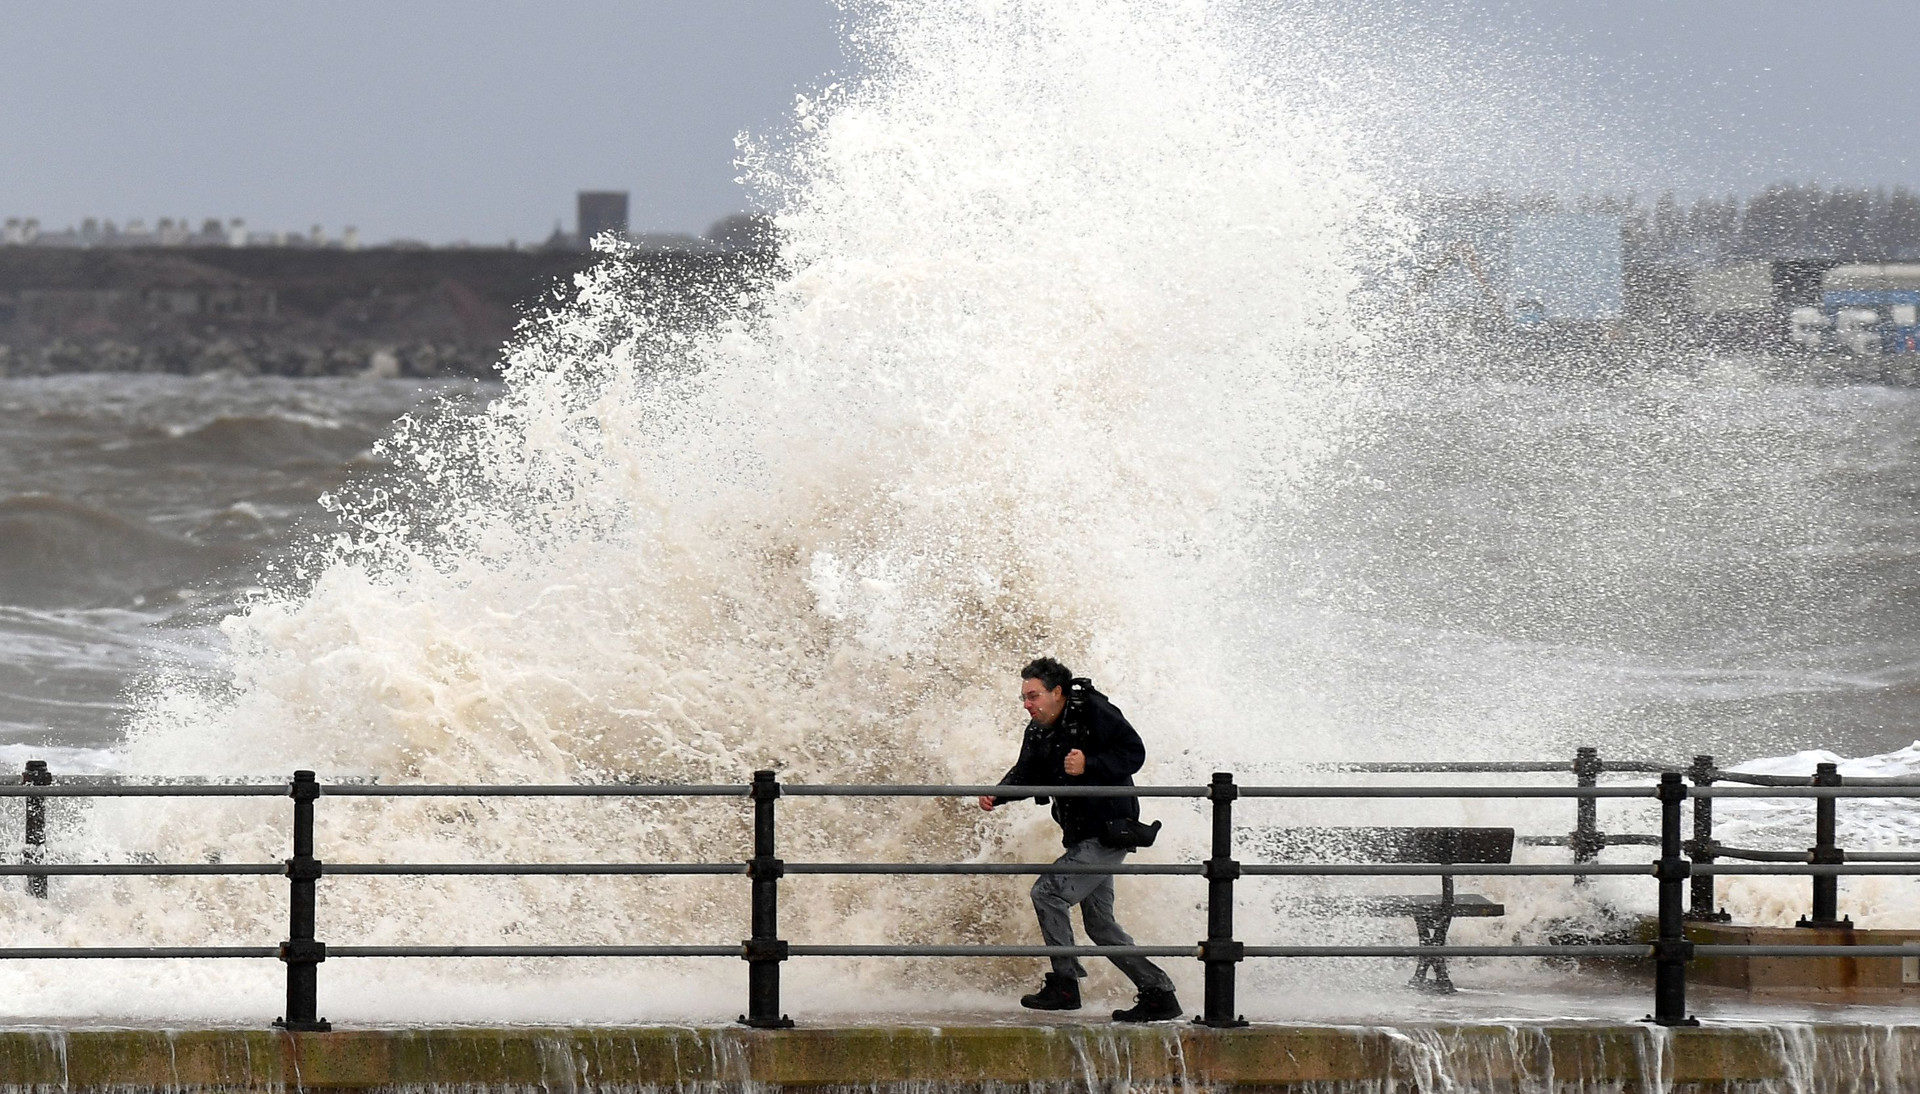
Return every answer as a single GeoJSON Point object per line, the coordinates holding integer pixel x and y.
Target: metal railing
{"type": "Point", "coordinates": [765, 951]}
{"type": "Point", "coordinates": [1825, 786]}
{"type": "Point", "coordinates": [1585, 841]}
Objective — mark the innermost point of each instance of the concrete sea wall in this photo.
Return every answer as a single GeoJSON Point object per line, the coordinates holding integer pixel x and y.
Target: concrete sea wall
{"type": "Point", "coordinates": [1563, 1057]}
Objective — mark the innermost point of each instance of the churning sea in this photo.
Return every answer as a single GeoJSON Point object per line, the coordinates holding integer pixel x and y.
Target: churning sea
{"type": "Point", "coordinates": [1724, 561]}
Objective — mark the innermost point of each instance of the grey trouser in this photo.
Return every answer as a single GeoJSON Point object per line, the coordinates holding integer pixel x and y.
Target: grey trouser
{"type": "Point", "coordinates": [1053, 894]}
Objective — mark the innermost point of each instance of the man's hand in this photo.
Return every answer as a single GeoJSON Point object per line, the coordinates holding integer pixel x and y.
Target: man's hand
{"type": "Point", "coordinates": [986, 803]}
{"type": "Point", "coordinates": [1076, 762]}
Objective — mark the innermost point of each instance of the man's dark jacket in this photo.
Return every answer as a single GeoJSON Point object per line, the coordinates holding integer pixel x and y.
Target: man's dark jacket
{"type": "Point", "coordinates": [1092, 724]}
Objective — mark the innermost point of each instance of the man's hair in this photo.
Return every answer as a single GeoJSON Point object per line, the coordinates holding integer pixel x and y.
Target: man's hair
{"type": "Point", "coordinates": [1052, 674]}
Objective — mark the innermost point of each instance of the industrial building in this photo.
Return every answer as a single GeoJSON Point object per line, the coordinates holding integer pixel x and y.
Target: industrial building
{"type": "Point", "coordinates": [1746, 304]}
{"type": "Point", "coordinates": [1493, 268]}
{"type": "Point", "coordinates": [600, 211]}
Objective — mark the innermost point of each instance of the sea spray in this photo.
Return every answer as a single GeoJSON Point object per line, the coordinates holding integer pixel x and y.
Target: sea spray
{"type": "Point", "coordinates": [1061, 353]}
{"type": "Point", "coordinates": [1063, 312]}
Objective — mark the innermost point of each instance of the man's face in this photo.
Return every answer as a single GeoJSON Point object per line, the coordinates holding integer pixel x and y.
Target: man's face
{"type": "Point", "coordinates": [1043, 703]}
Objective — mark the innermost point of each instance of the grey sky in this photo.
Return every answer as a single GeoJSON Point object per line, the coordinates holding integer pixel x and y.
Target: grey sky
{"type": "Point", "coordinates": [1730, 94]}
{"type": "Point", "coordinates": [479, 119]}
{"type": "Point", "coordinates": [432, 120]}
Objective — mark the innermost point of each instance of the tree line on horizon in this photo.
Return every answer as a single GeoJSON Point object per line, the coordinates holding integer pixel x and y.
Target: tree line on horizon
{"type": "Point", "coordinates": [1786, 220]}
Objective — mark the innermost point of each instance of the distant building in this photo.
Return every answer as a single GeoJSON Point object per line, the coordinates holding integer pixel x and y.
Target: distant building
{"type": "Point", "coordinates": [1734, 289]}
{"type": "Point", "coordinates": [600, 211]}
{"type": "Point", "coordinates": [1489, 266]}
{"type": "Point", "coordinates": [1566, 268]}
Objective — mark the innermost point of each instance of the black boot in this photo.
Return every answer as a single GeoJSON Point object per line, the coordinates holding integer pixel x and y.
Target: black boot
{"type": "Point", "coordinates": [1059, 993]}
{"type": "Point", "coordinates": [1151, 1005]}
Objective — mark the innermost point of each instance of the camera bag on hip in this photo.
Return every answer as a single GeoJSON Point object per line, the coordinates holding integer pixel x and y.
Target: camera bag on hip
{"type": "Point", "coordinates": [1127, 834]}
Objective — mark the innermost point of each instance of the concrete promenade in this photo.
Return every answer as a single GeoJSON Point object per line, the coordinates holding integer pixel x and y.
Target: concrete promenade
{"type": "Point", "coordinates": [1523, 1056]}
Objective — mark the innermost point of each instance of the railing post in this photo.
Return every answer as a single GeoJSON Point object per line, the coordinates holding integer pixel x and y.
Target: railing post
{"type": "Point", "coordinates": [1701, 848]}
{"type": "Point", "coordinates": [765, 950]}
{"type": "Point", "coordinates": [33, 851]}
{"type": "Point", "coordinates": [1671, 950]}
{"type": "Point", "coordinates": [1586, 841]}
{"type": "Point", "coordinates": [300, 951]}
{"type": "Point", "coordinates": [1220, 952]}
{"type": "Point", "coordinates": [1826, 851]}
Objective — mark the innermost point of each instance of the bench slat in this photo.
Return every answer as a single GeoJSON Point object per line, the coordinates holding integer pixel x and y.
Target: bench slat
{"type": "Point", "coordinates": [1443, 846]}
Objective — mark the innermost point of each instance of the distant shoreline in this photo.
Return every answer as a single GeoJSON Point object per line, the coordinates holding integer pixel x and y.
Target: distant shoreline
{"type": "Point", "coordinates": [286, 312]}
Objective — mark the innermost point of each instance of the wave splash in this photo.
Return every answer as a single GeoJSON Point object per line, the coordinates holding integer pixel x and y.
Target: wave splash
{"type": "Point", "coordinates": [1063, 298]}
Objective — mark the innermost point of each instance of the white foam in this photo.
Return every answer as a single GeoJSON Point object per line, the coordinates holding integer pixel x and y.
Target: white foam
{"type": "Point", "coordinates": [1786, 824]}
{"type": "Point", "coordinates": [1066, 301]}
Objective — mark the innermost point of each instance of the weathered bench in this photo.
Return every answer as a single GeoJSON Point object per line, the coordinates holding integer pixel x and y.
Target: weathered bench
{"type": "Point", "coordinates": [1431, 915]}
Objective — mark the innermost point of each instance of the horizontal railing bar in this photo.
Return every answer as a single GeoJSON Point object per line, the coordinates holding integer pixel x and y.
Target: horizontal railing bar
{"type": "Point", "coordinates": [1883, 856]}
{"type": "Point", "coordinates": [1718, 949]}
{"type": "Point", "coordinates": [135, 869]}
{"type": "Point", "coordinates": [1638, 767]}
{"type": "Point", "coordinates": [797, 950]}
{"type": "Point", "coordinates": [147, 790]}
{"type": "Point", "coordinates": [1762, 780]}
{"type": "Point", "coordinates": [1807, 780]}
{"type": "Point", "coordinates": [534, 868]}
{"type": "Point", "coordinates": [177, 780]}
{"type": "Point", "coordinates": [560, 790]}
{"type": "Point", "coordinates": [1851, 790]}
{"type": "Point", "coordinates": [905, 790]}
{"type": "Point", "coordinates": [1774, 786]}
{"type": "Point", "coordinates": [40, 953]}
{"type": "Point", "coordinates": [1488, 767]}
{"type": "Point", "coordinates": [734, 950]}
{"type": "Point", "coordinates": [1596, 950]}
{"type": "Point", "coordinates": [1469, 767]}
{"type": "Point", "coordinates": [1447, 791]}
{"type": "Point", "coordinates": [1193, 869]}
{"type": "Point", "coordinates": [96, 952]}
{"type": "Point", "coordinates": [1393, 869]}
{"type": "Point", "coordinates": [1893, 869]}
{"type": "Point", "coordinates": [1441, 869]}
{"type": "Point", "coordinates": [1749, 854]}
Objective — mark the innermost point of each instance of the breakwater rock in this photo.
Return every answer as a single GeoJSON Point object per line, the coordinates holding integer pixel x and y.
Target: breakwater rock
{"type": "Point", "coordinates": [287, 312]}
